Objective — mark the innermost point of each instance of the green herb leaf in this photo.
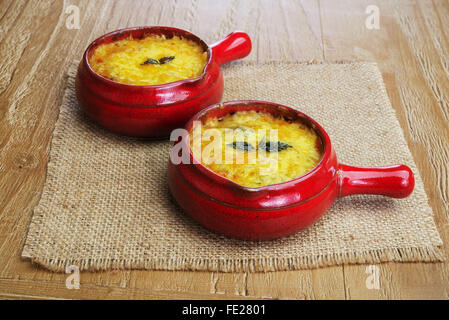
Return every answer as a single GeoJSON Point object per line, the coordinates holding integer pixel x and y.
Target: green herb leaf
{"type": "Point", "coordinates": [273, 146]}
{"type": "Point", "coordinates": [150, 61]}
{"type": "Point", "coordinates": [160, 61]}
{"type": "Point", "coordinates": [166, 59]}
{"type": "Point", "coordinates": [241, 145]}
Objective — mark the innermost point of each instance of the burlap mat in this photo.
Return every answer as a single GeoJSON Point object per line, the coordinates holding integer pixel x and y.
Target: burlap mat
{"type": "Point", "coordinates": [105, 203]}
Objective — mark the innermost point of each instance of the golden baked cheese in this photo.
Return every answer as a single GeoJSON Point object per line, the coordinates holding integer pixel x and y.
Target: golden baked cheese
{"type": "Point", "coordinates": [255, 149]}
{"type": "Point", "coordinates": [149, 61]}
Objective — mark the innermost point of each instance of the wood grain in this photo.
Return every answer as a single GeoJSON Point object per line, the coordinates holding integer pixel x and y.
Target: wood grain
{"type": "Point", "coordinates": [411, 49]}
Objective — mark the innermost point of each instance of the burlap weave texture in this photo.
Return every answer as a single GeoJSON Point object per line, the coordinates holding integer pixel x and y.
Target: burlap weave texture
{"type": "Point", "coordinates": [106, 204]}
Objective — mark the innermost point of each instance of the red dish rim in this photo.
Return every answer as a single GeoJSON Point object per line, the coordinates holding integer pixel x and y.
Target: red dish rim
{"type": "Point", "coordinates": [277, 186]}
{"type": "Point", "coordinates": [191, 36]}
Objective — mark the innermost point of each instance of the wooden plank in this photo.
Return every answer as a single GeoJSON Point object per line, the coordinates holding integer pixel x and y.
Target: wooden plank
{"type": "Point", "coordinates": [418, 88]}
{"type": "Point", "coordinates": [36, 49]}
{"type": "Point", "coordinates": [50, 290]}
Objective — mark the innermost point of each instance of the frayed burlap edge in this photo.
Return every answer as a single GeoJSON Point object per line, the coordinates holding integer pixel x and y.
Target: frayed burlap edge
{"type": "Point", "coordinates": [429, 254]}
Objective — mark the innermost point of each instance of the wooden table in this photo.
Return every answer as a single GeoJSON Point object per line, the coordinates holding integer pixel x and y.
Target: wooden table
{"type": "Point", "coordinates": [38, 43]}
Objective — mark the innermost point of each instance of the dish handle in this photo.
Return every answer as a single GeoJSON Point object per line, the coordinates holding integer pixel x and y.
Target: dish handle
{"type": "Point", "coordinates": [235, 46]}
{"type": "Point", "coordinates": [394, 181]}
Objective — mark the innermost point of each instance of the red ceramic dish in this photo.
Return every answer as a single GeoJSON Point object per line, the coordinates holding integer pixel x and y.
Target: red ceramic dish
{"type": "Point", "coordinates": [280, 209]}
{"type": "Point", "coordinates": [153, 111]}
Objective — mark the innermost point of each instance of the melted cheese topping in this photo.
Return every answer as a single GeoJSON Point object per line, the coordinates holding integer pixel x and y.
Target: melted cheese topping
{"type": "Point", "coordinates": [233, 148]}
{"type": "Point", "coordinates": [122, 61]}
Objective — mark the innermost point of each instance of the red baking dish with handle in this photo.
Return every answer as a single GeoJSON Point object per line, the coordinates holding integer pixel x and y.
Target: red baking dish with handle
{"type": "Point", "coordinates": [153, 111]}
{"type": "Point", "coordinates": [276, 210]}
